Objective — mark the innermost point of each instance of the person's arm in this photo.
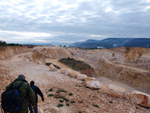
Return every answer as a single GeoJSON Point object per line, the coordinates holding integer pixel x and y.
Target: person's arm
{"type": "Point", "coordinates": [39, 92]}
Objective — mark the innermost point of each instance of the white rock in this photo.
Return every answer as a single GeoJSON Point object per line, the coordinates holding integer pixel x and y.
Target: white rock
{"type": "Point", "coordinates": [92, 83]}
{"type": "Point", "coordinates": [74, 74]}
{"type": "Point", "coordinates": [62, 71]}
{"type": "Point", "coordinates": [81, 76]}
{"type": "Point", "coordinates": [140, 98]}
{"type": "Point", "coordinates": [67, 71]}
{"type": "Point", "coordinates": [52, 67]}
{"type": "Point", "coordinates": [116, 91]}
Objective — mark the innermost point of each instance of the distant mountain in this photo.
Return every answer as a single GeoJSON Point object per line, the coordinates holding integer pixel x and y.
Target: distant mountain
{"type": "Point", "coordinates": [113, 42]}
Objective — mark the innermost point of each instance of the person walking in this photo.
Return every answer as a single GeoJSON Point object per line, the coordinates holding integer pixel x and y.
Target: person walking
{"type": "Point", "coordinates": [37, 92]}
{"type": "Point", "coordinates": [25, 92]}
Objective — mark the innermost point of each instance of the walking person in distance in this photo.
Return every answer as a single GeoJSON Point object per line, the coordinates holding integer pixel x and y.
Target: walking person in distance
{"type": "Point", "coordinates": [37, 92]}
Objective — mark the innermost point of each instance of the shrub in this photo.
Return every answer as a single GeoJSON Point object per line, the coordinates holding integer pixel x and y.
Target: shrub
{"type": "Point", "coordinates": [110, 102]}
{"type": "Point", "coordinates": [77, 65]}
{"type": "Point", "coordinates": [70, 94]}
{"type": "Point", "coordinates": [60, 105]}
{"type": "Point", "coordinates": [72, 102]}
{"type": "Point", "coordinates": [50, 95]}
{"type": "Point", "coordinates": [96, 106]}
{"type": "Point", "coordinates": [50, 90]}
{"type": "Point", "coordinates": [67, 104]}
{"type": "Point", "coordinates": [65, 99]}
{"type": "Point", "coordinates": [61, 101]}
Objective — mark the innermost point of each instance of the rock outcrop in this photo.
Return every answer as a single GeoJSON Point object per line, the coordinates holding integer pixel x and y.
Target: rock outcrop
{"type": "Point", "coordinates": [127, 65]}
{"type": "Point", "coordinates": [38, 58]}
{"type": "Point", "coordinates": [9, 51]}
{"type": "Point", "coordinates": [53, 52]}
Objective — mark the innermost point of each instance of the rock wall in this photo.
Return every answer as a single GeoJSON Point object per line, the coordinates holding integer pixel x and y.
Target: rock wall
{"type": "Point", "coordinates": [53, 52]}
{"type": "Point", "coordinates": [127, 65]}
{"type": "Point", "coordinates": [38, 58]}
{"type": "Point", "coordinates": [135, 78]}
{"type": "Point", "coordinates": [9, 51]}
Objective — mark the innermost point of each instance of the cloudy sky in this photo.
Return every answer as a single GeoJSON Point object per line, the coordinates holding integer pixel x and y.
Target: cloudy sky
{"type": "Point", "coordinates": [67, 21]}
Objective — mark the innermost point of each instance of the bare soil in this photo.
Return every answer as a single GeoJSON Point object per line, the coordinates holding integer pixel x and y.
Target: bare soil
{"type": "Point", "coordinates": [62, 93]}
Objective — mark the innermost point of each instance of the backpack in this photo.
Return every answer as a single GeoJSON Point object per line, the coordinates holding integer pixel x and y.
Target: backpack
{"type": "Point", "coordinates": [11, 100]}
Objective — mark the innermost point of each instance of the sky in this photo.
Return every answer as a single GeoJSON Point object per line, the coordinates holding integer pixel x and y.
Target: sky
{"type": "Point", "coordinates": [68, 21]}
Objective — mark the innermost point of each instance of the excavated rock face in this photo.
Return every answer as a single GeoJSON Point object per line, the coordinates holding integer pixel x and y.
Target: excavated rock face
{"type": "Point", "coordinates": [5, 79]}
{"type": "Point", "coordinates": [6, 52]}
{"type": "Point", "coordinates": [53, 52]}
{"type": "Point", "coordinates": [127, 65]}
{"type": "Point", "coordinates": [138, 79]}
{"type": "Point", "coordinates": [38, 58]}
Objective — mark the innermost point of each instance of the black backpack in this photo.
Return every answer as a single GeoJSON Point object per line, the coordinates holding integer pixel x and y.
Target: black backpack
{"type": "Point", "coordinates": [11, 100]}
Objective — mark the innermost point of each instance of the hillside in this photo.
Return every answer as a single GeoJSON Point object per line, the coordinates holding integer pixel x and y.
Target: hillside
{"type": "Point", "coordinates": [113, 43]}
{"type": "Point", "coordinates": [63, 93]}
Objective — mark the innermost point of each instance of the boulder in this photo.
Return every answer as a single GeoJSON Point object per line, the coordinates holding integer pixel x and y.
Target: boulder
{"type": "Point", "coordinates": [81, 76]}
{"type": "Point", "coordinates": [52, 67]}
{"type": "Point", "coordinates": [116, 91]}
{"type": "Point", "coordinates": [62, 71]}
{"type": "Point", "coordinates": [67, 71]}
{"type": "Point", "coordinates": [104, 88]}
{"type": "Point", "coordinates": [92, 83]}
{"type": "Point", "coordinates": [140, 98]}
{"type": "Point", "coordinates": [74, 74]}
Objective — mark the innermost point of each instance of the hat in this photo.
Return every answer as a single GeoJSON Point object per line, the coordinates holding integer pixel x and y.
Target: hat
{"type": "Point", "coordinates": [21, 77]}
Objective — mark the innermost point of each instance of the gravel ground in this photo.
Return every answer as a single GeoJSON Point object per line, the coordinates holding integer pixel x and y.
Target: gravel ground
{"type": "Point", "coordinates": [62, 93]}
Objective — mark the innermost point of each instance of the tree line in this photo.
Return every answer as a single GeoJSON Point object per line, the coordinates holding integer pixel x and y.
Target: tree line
{"type": "Point", "coordinates": [3, 43]}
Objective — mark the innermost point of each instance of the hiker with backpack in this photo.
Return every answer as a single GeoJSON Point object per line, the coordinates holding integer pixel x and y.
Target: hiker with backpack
{"type": "Point", "coordinates": [37, 92]}
{"type": "Point", "coordinates": [17, 95]}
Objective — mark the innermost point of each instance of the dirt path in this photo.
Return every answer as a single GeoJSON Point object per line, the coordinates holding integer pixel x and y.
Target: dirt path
{"type": "Point", "coordinates": [67, 95]}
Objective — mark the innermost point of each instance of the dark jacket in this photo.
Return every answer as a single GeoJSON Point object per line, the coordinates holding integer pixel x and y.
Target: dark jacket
{"type": "Point", "coordinates": [26, 93]}
{"type": "Point", "coordinates": [37, 91]}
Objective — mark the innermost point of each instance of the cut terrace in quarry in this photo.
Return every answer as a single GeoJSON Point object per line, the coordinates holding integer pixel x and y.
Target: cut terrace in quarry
{"type": "Point", "coordinates": [120, 83]}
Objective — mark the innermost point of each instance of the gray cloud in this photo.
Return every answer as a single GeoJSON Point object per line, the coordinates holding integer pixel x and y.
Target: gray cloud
{"type": "Point", "coordinates": [72, 21]}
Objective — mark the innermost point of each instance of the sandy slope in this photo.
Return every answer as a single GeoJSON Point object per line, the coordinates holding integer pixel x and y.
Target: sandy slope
{"type": "Point", "coordinates": [86, 100]}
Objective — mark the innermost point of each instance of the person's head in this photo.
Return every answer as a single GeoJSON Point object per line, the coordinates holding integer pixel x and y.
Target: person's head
{"type": "Point", "coordinates": [21, 77]}
{"type": "Point", "coordinates": [32, 83]}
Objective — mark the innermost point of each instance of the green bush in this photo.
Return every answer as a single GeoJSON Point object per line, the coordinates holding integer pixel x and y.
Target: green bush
{"type": "Point", "coordinates": [70, 94]}
{"type": "Point", "coordinates": [61, 101]}
{"type": "Point", "coordinates": [50, 95]}
{"type": "Point", "coordinates": [65, 99]}
{"type": "Point", "coordinates": [60, 105]}
{"type": "Point", "coordinates": [72, 102]}
{"type": "Point", "coordinates": [96, 106]}
{"type": "Point", "coordinates": [50, 90]}
{"type": "Point", "coordinates": [110, 102]}
{"type": "Point", "coordinates": [67, 104]}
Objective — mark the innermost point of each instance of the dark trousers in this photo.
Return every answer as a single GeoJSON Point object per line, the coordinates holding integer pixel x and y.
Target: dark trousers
{"type": "Point", "coordinates": [35, 108]}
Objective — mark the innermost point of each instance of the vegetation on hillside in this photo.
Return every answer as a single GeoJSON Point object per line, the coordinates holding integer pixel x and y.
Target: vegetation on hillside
{"type": "Point", "coordinates": [78, 65]}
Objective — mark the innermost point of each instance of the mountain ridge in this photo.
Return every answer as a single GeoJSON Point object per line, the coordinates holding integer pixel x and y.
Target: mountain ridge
{"type": "Point", "coordinates": [113, 43]}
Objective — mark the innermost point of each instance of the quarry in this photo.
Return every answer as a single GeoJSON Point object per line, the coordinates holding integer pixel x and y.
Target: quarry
{"type": "Point", "coordinates": [116, 80]}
